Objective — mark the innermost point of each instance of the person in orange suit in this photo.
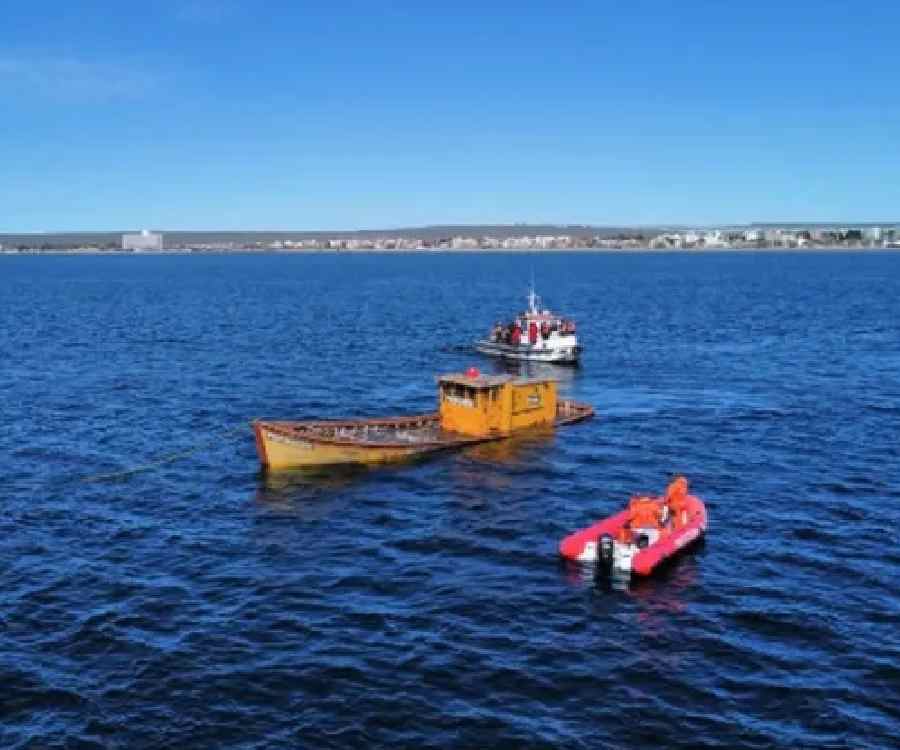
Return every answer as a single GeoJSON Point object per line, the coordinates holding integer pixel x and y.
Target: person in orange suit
{"type": "Point", "coordinates": [646, 512]}
{"type": "Point", "coordinates": [676, 499]}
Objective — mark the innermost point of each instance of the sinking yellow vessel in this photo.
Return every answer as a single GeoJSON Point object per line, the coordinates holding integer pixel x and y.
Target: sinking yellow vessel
{"type": "Point", "coordinates": [473, 408]}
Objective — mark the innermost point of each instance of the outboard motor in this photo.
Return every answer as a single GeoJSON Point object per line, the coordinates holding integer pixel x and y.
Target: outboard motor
{"type": "Point", "coordinates": [605, 552]}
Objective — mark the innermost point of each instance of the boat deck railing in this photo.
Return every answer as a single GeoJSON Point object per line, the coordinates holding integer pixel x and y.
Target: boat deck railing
{"type": "Point", "coordinates": [423, 430]}
{"type": "Point", "coordinates": [424, 433]}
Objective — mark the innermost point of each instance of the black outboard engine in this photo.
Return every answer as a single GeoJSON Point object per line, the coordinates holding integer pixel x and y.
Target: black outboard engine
{"type": "Point", "coordinates": [605, 552]}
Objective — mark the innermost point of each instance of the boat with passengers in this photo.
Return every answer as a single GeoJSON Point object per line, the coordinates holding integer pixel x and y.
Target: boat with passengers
{"type": "Point", "coordinates": [536, 335]}
{"type": "Point", "coordinates": [640, 538]}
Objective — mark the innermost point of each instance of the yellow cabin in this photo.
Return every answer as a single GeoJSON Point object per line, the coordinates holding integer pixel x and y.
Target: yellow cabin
{"type": "Point", "coordinates": [491, 405]}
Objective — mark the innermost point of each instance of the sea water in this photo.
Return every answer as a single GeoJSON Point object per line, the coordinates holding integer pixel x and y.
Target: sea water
{"type": "Point", "coordinates": [158, 590]}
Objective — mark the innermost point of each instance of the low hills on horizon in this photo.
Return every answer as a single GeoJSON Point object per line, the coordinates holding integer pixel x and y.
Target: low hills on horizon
{"type": "Point", "coordinates": [428, 232]}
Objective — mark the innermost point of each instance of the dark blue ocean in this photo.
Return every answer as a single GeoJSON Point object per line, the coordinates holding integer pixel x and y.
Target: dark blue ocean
{"type": "Point", "coordinates": [157, 590]}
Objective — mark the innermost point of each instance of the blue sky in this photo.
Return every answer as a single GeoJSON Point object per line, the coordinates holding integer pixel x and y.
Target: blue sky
{"type": "Point", "coordinates": [230, 114]}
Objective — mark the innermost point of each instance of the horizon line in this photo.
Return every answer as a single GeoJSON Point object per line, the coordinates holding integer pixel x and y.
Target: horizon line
{"type": "Point", "coordinates": [452, 226]}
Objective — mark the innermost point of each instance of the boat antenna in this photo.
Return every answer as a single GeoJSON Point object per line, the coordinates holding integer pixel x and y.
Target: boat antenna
{"type": "Point", "coordinates": [532, 297]}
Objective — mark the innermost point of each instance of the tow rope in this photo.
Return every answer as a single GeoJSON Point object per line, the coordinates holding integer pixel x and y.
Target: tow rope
{"type": "Point", "coordinates": [169, 458]}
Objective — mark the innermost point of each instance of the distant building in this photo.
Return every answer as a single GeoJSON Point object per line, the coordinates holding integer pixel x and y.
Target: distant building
{"type": "Point", "coordinates": [715, 239]}
{"type": "Point", "coordinates": [872, 234]}
{"type": "Point", "coordinates": [665, 241]}
{"type": "Point", "coordinates": [146, 240]}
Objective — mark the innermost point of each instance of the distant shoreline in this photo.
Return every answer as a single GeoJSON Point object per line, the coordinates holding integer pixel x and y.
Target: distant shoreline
{"type": "Point", "coordinates": [473, 238]}
{"type": "Point", "coordinates": [455, 251]}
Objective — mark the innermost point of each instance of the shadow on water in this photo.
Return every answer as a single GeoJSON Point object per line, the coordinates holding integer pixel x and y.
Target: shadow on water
{"type": "Point", "coordinates": [320, 477]}
{"type": "Point", "coordinates": [298, 490]}
{"type": "Point", "coordinates": [512, 451]}
{"type": "Point", "coordinates": [306, 493]}
{"type": "Point", "coordinates": [658, 602]}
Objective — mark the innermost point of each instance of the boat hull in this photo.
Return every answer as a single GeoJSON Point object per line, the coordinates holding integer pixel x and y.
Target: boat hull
{"type": "Point", "coordinates": [280, 451]}
{"type": "Point", "coordinates": [567, 355]}
{"type": "Point", "coordinates": [583, 546]}
{"type": "Point", "coordinates": [290, 445]}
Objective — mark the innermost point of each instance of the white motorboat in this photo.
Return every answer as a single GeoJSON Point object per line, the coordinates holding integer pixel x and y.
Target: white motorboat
{"type": "Point", "coordinates": [536, 335]}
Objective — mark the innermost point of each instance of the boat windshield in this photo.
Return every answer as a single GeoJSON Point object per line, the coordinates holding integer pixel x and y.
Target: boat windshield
{"type": "Point", "coordinates": [457, 393]}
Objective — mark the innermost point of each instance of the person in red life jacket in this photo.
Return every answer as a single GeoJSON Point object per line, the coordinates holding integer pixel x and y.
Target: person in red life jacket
{"type": "Point", "coordinates": [516, 337]}
{"type": "Point", "coordinates": [545, 330]}
{"type": "Point", "coordinates": [532, 333]}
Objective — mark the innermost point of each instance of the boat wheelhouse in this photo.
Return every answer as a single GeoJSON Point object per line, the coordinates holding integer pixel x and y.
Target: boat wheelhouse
{"type": "Point", "coordinates": [536, 335]}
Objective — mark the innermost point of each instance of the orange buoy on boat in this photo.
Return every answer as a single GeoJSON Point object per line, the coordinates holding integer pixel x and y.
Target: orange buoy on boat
{"type": "Point", "coordinates": [643, 535]}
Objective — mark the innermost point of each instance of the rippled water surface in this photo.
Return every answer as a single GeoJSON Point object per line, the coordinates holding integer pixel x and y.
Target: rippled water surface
{"type": "Point", "coordinates": [198, 602]}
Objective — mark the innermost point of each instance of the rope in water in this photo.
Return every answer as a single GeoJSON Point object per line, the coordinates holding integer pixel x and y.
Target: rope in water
{"type": "Point", "coordinates": [168, 458]}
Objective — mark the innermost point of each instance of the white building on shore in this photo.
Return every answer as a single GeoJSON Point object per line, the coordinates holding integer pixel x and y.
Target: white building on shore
{"type": "Point", "coordinates": [873, 234]}
{"type": "Point", "coordinates": [146, 240]}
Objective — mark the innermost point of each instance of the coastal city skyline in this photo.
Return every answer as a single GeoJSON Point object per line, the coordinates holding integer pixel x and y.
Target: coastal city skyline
{"type": "Point", "coordinates": [211, 114]}
{"type": "Point", "coordinates": [799, 236]}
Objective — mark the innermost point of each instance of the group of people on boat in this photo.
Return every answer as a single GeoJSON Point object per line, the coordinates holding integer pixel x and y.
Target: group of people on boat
{"type": "Point", "coordinates": [657, 516]}
{"type": "Point", "coordinates": [534, 334]}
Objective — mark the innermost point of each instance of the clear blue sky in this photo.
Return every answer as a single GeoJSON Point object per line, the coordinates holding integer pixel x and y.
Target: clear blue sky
{"type": "Point", "coordinates": [303, 115]}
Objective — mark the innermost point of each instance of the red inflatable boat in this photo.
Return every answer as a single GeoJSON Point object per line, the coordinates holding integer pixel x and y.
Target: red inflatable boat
{"type": "Point", "coordinates": [639, 538]}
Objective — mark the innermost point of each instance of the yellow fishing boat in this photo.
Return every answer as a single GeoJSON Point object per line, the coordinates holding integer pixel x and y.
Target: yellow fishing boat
{"type": "Point", "coordinates": [473, 408]}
